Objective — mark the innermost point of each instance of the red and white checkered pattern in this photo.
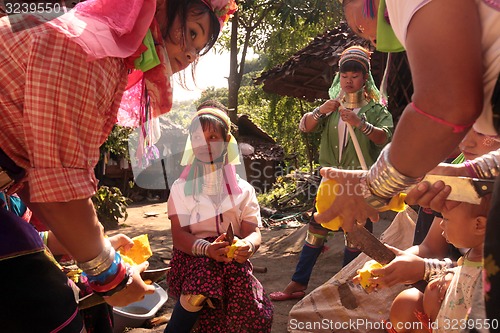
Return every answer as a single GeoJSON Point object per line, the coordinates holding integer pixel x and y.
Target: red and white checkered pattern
{"type": "Point", "coordinates": [56, 109]}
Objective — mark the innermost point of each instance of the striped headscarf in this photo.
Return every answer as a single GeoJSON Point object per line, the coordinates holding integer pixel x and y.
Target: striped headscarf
{"type": "Point", "coordinates": [361, 56]}
{"type": "Point", "coordinates": [358, 54]}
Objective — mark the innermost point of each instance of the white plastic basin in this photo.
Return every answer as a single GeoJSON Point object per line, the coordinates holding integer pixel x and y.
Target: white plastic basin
{"type": "Point", "coordinates": [135, 314]}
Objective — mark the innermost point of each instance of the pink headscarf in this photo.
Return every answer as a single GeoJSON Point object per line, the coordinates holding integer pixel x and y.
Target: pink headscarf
{"type": "Point", "coordinates": [107, 28]}
{"type": "Point", "coordinates": [116, 28]}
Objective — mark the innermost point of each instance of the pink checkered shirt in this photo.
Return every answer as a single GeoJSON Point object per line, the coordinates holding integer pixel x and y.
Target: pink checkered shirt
{"type": "Point", "coordinates": [56, 109]}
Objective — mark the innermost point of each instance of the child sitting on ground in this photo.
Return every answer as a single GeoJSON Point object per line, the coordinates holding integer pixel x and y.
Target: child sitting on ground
{"type": "Point", "coordinates": [211, 287]}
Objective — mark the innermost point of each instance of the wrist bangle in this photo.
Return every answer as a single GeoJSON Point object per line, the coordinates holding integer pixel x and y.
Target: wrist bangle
{"type": "Point", "coordinates": [487, 166]}
{"type": "Point", "coordinates": [317, 115]}
{"type": "Point", "coordinates": [448, 262]}
{"type": "Point", "coordinates": [200, 248]}
{"type": "Point", "coordinates": [384, 180]}
{"type": "Point", "coordinates": [100, 263]}
{"type": "Point", "coordinates": [362, 123]}
{"type": "Point", "coordinates": [368, 129]}
{"type": "Point", "coordinates": [112, 283]}
{"type": "Point", "coordinates": [377, 202]}
{"type": "Point", "coordinates": [470, 169]}
{"type": "Point", "coordinates": [433, 267]}
{"type": "Point", "coordinates": [108, 274]}
{"type": "Point", "coordinates": [252, 246]}
{"type": "Point", "coordinates": [124, 283]}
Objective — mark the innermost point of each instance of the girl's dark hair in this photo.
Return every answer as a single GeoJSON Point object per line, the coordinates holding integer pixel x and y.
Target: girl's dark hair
{"type": "Point", "coordinates": [183, 8]}
{"type": "Point", "coordinates": [212, 103]}
{"type": "Point", "coordinates": [352, 66]}
{"type": "Point", "coordinates": [195, 8]}
{"type": "Point", "coordinates": [210, 122]}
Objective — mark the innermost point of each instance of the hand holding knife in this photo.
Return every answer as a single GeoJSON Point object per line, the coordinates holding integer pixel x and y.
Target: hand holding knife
{"type": "Point", "coordinates": [463, 189]}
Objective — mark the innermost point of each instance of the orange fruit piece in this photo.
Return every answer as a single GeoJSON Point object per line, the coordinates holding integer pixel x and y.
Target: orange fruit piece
{"type": "Point", "coordinates": [139, 252]}
{"type": "Point", "coordinates": [366, 272]}
{"type": "Point", "coordinates": [233, 247]}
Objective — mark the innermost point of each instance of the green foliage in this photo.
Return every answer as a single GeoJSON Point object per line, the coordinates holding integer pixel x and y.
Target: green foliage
{"type": "Point", "coordinates": [281, 188]}
{"type": "Point", "coordinates": [292, 193]}
{"type": "Point", "coordinates": [260, 19]}
{"type": "Point", "coordinates": [110, 206]}
{"type": "Point", "coordinates": [117, 143]}
{"type": "Point", "coordinates": [183, 106]}
{"type": "Point", "coordinates": [219, 94]}
{"type": "Point", "coordinates": [286, 26]}
{"type": "Point", "coordinates": [181, 113]}
{"type": "Point", "coordinates": [279, 117]}
{"type": "Point", "coordinates": [275, 30]}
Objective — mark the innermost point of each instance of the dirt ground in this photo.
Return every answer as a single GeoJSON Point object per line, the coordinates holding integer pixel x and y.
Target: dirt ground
{"type": "Point", "coordinates": [278, 255]}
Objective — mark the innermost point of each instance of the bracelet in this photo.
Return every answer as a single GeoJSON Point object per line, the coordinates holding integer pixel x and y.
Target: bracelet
{"type": "Point", "coordinates": [368, 129]}
{"type": "Point", "coordinates": [371, 199]}
{"type": "Point", "coordinates": [384, 180]}
{"type": "Point", "coordinates": [365, 127]}
{"type": "Point", "coordinates": [486, 166]}
{"type": "Point", "coordinates": [127, 280]}
{"type": "Point", "coordinates": [477, 169]}
{"type": "Point", "coordinates": [112, 283]}
{"type": "Point", "coordinates": [109, 273]}
{"type": "Point", "coordinates": [433, 267]}
{"type": "Point", "coordinates": [455, 128]}
{"type": "Point", "coordinates": [362, 122]}
{"type": "Point", "coordinates": [252, 246]}
{"type": "Point", "coordinates": [100, 263]}
{"type": "Point", "coordinates": [317, 115]}
{"type": "Point", "coordinates": [470, 169]}
{"type": "Point", "coordinates": [481, 168]}
{"type": "Point", "coordinates": [200, 248]}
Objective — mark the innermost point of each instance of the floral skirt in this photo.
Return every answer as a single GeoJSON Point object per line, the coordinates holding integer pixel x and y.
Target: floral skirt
{"type": "Point", "coordinates": [241, 305]}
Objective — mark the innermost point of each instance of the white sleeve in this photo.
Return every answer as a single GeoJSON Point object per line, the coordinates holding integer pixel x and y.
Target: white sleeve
{"type": "Point", "coordinates": [250, 208]}
{"type": "Point", "coordinates": [176, 204]}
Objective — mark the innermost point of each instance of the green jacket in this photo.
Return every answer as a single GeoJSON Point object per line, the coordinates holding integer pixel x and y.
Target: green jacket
{"type": "Point", "coordinates": [376, 114]}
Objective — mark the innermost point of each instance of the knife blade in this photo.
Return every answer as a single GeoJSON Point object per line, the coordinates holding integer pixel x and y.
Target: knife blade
{"type": "Point", "coordinates": [464, 189]}
{"type": "Point", "coordinates": [230, 233]}
{"type": "Point", "coordinates": [365, 241]}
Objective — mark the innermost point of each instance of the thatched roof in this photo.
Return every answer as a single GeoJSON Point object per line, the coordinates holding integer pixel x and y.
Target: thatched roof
{"type": "Point", "coordinates": [265, 146]}
{"type": "Point", "coordinates": [309, 73]}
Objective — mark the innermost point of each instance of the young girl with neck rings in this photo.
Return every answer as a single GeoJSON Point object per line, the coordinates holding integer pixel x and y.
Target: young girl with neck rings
{"type": "Point", "coordinates": [213, 288]}
{"type": "Point", "coordinates": [353, 102]}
